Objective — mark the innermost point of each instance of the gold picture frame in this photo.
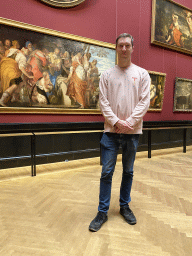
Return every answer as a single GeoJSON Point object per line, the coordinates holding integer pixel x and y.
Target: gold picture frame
{"type": "Point", "coordinates": [157, 88]}
{"type": "Point", "coordinates": [44, 64]}
{"type": "Point", "coordinates": [171, 26]}
{"type": "Point", "coordinates": [182, 95]}
{"type": "Point", "coordinates": [63, 3]}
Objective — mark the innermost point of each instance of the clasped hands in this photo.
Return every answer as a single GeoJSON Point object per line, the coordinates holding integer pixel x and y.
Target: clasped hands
{"type": "Point", "coordinates": [122, 127]}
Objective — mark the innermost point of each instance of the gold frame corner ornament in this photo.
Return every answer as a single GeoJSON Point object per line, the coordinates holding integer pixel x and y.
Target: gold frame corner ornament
{"type": "Point", "coordinates": [63, 3]}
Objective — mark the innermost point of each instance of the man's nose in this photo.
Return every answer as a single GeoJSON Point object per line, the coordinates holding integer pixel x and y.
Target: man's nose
{"type": "Point", "coordinates": [124, 48]}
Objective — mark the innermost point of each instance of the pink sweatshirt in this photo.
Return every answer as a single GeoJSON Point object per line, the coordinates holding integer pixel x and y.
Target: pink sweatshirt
{"type": "Point", "coordinates": [124, 95]}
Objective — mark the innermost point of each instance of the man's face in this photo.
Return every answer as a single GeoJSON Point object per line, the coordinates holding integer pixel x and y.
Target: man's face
{"type": "Point", "coordinates": [57, 51]}
{"type": "Point", "coordinates": [17, 45]}
{"type": "Point", "coordinates": [30, 47]}
{"type": "Point", "coordinates": [124, 48]}
{"type": "Point", "coordinates": [7, 44]}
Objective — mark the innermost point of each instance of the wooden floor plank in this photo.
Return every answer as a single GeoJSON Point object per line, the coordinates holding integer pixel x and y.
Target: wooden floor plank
{"type": "Point", "coordinates": [49, 214]}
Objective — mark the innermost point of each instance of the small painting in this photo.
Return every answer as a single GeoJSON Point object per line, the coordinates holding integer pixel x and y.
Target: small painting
{"type": "Point", "coordinates": [157, 88]}
{"type": "Point", "coordinates": [171, 26]}
{"type": "Point", "coordinates": [183, 95]}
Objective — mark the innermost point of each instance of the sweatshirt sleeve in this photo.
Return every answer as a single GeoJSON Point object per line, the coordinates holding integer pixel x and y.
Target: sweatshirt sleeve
{"type": "Point", "coordinates": [105, 107]}
{"type": "Point", "coordinates": [143, 104]}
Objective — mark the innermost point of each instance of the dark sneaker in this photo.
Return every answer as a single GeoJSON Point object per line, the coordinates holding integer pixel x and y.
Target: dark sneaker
{"type": "Point", "coordinates": [96, 223]}
{"type": "Point", "coordinates": [128, 215]}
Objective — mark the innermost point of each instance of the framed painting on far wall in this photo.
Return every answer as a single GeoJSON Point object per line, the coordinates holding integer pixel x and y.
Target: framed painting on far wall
{"type": "Point", "coordinates": [157, 88]}
{"type": "Point", "coordinates": [171, 26]}
{"type": "Point", "coordinates": [183, 95]}
{"type": "Point", "coordinates": [51, 72]}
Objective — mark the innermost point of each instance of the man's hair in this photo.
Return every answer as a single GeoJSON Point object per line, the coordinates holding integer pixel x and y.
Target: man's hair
{"type": "Point", "coordinates": [123, 36]}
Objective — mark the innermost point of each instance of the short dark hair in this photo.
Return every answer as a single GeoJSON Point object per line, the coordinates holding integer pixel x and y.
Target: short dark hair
{"type": "Point", "coordinates": [123, 36]}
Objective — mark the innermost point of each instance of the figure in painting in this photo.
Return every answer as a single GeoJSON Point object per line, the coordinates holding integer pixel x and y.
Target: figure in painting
{"type": "Point", "coordinates": [92, 82]}
{"type": "Point", "coordinates": [66, 64]}
{"type": "Point", "coordinates": [77, 81]}
{"type": "Point", "coordinates": [153, 94]}
{"type": "Point", "coordinates": [11, 69]}
{"type": "Point", "coordinates": [62, 81]}
{"type": "Point", "coordinates": [159, 99]}
{"type": "Point", "coordinates": [38, 61]}
{"type": "Point", "coordinates": [174, 33]}
{"type": "Point", "coordinates": [2, 50]}
{"type": "Point", "coordinates": [55, 62]}
{"type": "Point", "coordinates": [189, 22]}
{"type": "Point", "coordinates": [7, 45]}
{"type": "Point", "coordinates": [40, 93]}
{"type": "Point", "coordinates": [26, 90]}
{"type": "Point", "coordinates": [156, 92]}
{"type": "Point", "coordinates": [28, 49]}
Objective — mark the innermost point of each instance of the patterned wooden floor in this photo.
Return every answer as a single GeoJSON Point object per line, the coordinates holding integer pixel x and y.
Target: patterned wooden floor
{"type": "Point", "coordinates": [49, 215]}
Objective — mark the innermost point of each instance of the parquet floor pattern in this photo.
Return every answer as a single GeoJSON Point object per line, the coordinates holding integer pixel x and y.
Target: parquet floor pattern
{"type": "Point", "coordinates": [49, 215]}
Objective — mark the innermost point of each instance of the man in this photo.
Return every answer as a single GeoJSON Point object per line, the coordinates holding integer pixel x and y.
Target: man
{"type": "Point", "coordinates": [124, 100]}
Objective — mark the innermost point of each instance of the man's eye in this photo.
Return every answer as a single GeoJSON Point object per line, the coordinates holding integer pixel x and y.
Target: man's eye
{"type": "Point", "coordinates": [127, 46]}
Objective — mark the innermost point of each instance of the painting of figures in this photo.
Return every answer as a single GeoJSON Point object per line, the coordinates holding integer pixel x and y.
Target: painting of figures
{"type": "Point", "coordinates": [46, 70]}
{"type": "Point", "coordinates": [172, 26]}
{"type": "Point", "coordinates": [157, 88]}
{"type": "Point", "coordinates": [183, 95]}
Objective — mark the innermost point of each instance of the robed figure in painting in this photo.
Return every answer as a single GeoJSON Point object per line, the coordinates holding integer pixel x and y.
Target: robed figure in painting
{"type": "Point", "coordinates": [77, 84]}
{"type": "Point", "coordinates": [175, 34]}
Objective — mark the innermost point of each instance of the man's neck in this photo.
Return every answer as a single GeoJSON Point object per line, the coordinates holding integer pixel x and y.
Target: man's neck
{"type": "Point", "coordinates": [123, 64]}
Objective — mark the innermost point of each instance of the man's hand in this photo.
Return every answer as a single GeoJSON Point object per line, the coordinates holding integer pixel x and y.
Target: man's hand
{"type": "Point", "coordinates": [122, 127]}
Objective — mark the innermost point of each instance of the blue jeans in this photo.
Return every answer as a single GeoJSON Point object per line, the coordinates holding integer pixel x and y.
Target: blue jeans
{"type": "Point", "coordinates": [110, 143]}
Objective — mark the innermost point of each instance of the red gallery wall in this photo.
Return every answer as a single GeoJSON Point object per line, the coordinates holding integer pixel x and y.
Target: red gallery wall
{"type": "Point", "coordinates": [103, 20]}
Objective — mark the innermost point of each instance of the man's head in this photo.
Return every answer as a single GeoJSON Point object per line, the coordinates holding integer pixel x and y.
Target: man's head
{"type": "Point", "coordinates": [15, 44]}
{"type": "Point", "coordinates": [7, 44]}
{"type": "Point", "coordinates": [29, 46]}
{"type": "Point", "coordinates": [124, 49]}
{"type": "Point", "coordinates": [124, 35]}
{"type": "Point", "coordinates": [57, 51]}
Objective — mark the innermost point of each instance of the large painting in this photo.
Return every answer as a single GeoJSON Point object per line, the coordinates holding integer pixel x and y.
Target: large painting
{"type": "Point", "coordinates": [157, 88]}
{"type": "Point", "coordinates": [183, 95]}
{"type": "Point", "coordinates": [46, 71]}
{"type": "Point", "coordinates": [171, 25]}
